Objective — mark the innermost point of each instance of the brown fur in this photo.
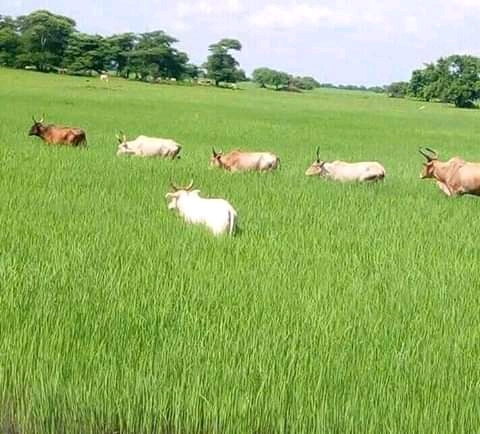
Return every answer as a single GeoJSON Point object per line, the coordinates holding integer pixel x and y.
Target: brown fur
{"type": "Point", "coordinates": [454, 177]}
{"type": "Point", "coordinates": [58, 135]}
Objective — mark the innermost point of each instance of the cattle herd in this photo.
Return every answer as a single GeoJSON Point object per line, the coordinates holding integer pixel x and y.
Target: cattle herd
{"type": "Point", "coordinates": [454, 177]}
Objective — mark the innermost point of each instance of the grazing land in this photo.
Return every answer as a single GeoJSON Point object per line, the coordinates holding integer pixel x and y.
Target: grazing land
{"type": "Point", "coordinates": [338, 308]}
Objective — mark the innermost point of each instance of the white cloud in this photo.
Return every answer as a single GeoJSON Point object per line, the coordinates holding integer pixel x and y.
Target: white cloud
{"type": "Point", "coordinates": [274, 16]}
{"type": "Point", "coordinates": [209, 7]}
{"type": "Point", "coordinates": [467, 3]}
{"type": "Point", "coordinates": [411, 24]}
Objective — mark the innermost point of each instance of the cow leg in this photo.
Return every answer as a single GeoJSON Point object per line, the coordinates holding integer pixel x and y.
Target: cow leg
{"type": "Point", "coordinates": [444, 188]}
{"type": "Point", "coordinates": [373, 178]}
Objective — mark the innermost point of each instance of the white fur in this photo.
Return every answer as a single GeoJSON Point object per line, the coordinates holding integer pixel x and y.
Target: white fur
{"type": "Point", "coordinates": [217, 214]}
{"type": "Point", "coordinates": [149, 147]}
{"type": "Point", "coordinates": [343, 171]}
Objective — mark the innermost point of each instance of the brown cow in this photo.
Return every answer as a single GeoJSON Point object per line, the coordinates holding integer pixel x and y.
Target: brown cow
{"type": "Point", "coordinates": [238, 160]}
{"type": "Point", "coordinates": [454, 177]}
{"type": "Point", "coordinates": [58, 135]}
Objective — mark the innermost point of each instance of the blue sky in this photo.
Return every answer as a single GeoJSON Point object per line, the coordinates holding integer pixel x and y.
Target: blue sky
{"type": "Point", "coordinates": [368, 42]}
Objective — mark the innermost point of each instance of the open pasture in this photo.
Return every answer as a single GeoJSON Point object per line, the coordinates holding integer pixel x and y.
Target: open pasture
{"type": "Point", "coordinates": [338, 308]}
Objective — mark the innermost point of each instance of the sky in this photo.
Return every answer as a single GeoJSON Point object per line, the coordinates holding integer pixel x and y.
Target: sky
{"type": "Point", "coordinates": [367, 42]}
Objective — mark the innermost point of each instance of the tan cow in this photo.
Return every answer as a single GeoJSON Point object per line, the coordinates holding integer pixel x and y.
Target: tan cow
{"type": "Point", "coordinates": [346, 172]}
{"type": "Point", "coordinates": [237, 160]}
{"type": "Point", "coordinates": [454, 177]}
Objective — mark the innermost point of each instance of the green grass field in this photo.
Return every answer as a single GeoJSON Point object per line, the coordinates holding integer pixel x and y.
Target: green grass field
{"type": "Point", "coordinates": [339, 308]}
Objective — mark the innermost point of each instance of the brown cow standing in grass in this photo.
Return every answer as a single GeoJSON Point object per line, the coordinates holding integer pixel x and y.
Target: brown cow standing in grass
{"type": "Point", "coordinates": [454, 177]}
{"type": "Point", "coordinates": [239, 160]}
{"type": "Point", "coordinates": [58, 135]}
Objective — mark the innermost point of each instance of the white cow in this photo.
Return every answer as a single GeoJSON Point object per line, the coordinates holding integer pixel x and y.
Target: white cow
{"type": "Point", "coordinates": [344, 171]}
{"type": "Point", "coordinates": [104, 77]}
{"type": "Point", "coordinates": [215, 213]}
{"type": "Point", "coordinates": [145, 146]}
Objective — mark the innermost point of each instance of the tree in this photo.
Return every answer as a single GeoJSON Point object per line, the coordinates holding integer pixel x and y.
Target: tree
{"type": "Point", "coordinates": [266, 76]}
{"type": "Point", "coordinates": [221, 65]}
{"type": "Point", "coordinates": [86, 53]}
{"type": "Point", "coordinates": [398, 89]}
{"type": "Point", "coordinates": [153, 56]}
{"type": "Point", "coordinates": [463, 87]}
{"type": "Point", "coordinates": [9, 41]}
{"type": "Point", "coordinates": [118, 47]}
{"type": "Point", "coordinates": [240, 75]}
{"type": "Point", "coordinates": [44, 38]}
{"type": "Point", "coordinates": [191, 71]}
{"type": "Point", "coordinates": [454, 79]}
{"type": "Point", "coordinates": [305, 83]}
{"type": "Point", "coordinates": [262, 76]}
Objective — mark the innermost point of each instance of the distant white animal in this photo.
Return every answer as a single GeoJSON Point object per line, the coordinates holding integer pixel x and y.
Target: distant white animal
{"type": "Point", "coordinates": [215, 213]}
{"type": "Point", "coordinates": [344, 171]}
{"type": "Point", "coordinates": [104, 77]}
{"type": "Point", "coordinates": [145, 146]}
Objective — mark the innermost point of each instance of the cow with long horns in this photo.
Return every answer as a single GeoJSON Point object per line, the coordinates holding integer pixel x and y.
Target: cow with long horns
{"type": "Point", "coordinates": [145, 146]}
{"type": "Point", "coordinates": [215, 213]}
{"type": "Point", "coordinates": [344, 171]}
{"type": "Point", "coordinates": [57, 135]}
{"type": "Point", "coordinates": [236, 160]}
{"type": "Point", "coordinates": [454, 177]}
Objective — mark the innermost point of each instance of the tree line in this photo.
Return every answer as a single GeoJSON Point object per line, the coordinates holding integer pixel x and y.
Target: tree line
{"type": "Point", "coordinates": [47, 42]}
{"type": "Point", "coordinates": [454, 79]}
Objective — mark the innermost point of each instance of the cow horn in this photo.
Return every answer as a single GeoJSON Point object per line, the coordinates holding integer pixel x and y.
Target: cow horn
{"type": "Point", "coordinates": [43, 117]}
{"type": "Point", "coordinates": [174, 186]}
{"type": "Point", "coordinates": [189, 187]}
{"type": "Point", "coordinates": [318, 154]}
{"type": "Point", "coordinates": [427, 156]}
{"type": "Point", "coordinates": [213, 151]}
{"type": "Point", "coordinates": [435, 153]}
{"type": "Point", "coordinates": [33, 118]}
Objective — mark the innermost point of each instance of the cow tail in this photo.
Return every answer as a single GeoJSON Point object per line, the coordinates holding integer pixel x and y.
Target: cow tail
{"type": "Point", "coordinates": [231, 222]}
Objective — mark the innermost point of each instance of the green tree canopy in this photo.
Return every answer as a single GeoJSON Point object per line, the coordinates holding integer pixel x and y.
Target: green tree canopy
{"type": "Point", "coordinates": [86, 53]}
{"type": "Point", "coordinates": [221, 66]}
{"type": "Point", "coordinates": [9, 41]}
{"type": "Point", "coordinates": [44, 39]}
{"type": "Point", "coordinates": [454, 79]}
{"type": "Point", "coordinates": [270, 77]}
{"type": "Point", "coordinates": [154, 56]}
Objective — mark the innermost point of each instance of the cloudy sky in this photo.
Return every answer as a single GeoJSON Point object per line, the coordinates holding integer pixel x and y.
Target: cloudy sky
{"type": "Point", "coordinates": [362, 42]}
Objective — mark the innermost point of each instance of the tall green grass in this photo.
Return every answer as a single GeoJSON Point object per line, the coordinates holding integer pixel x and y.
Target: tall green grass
{"type": "Point", "coordinates": [339, 308]}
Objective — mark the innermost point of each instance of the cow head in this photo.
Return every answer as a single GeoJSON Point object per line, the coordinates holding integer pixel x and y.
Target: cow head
{"type": "Point", "coordinates": [429, 166]}
{"type": "Point", "coordinates": [37, 128]}
{"type": "Point", "coordinates": [173, 196]}
{"type": "Point", "coordinates": [122, 144]}
{"type": "Point", "coordinates": [216, 158]}
{"type": "Point", "coordinates": [317, 167]}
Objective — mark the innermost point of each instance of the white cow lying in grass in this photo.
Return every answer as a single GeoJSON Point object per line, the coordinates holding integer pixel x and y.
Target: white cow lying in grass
{"type": "Point", "coordinates": [344, 171]}
{"type": "Point", "coordinates": [145, 146]}
{"type": "Point", "coordinates": [215, 213]}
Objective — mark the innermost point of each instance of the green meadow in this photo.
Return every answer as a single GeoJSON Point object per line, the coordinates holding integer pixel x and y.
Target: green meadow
{"type": "Point", "coordinates": [338, 308]}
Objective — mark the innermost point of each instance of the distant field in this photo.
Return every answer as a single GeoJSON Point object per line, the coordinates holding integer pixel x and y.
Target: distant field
{"type": "Point", "coordinates": [340, 308]}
